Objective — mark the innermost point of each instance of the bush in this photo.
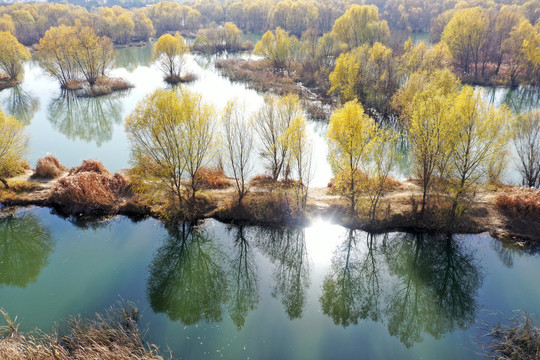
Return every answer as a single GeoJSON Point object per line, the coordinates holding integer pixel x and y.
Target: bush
{"type": "Point", "coordinates": [113, 335]}
{"type": "Point", "coordinates": [90, 189]}
{"type": "Point", "coordinates": [212, 178]}
{"type": "Point", "coordinates": [49, 167]}
{"type": "Point", "coordinates": [520, 202]}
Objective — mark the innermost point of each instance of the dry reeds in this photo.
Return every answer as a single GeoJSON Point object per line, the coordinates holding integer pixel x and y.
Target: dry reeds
{"type": "Point", "coordinates": [114, 335]}
{"type": "Point", "coordinates": [212, 178]}
{"type": "Point", "coordinates": [49, 167]}
{"type": "Point", "coordinates": [90, 189]}
{"type": "Point", "coordinates": [520, 339]}
{"type": "Point", "coordinates": [520, 201]}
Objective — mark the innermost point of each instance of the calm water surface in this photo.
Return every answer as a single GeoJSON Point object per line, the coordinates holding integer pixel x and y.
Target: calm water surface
{"type": "Point", "coordinates": [220, 291]}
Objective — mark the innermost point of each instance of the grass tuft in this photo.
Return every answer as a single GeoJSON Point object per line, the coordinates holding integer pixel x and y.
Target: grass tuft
{"type": "Point", "coordinates": [49, 167]}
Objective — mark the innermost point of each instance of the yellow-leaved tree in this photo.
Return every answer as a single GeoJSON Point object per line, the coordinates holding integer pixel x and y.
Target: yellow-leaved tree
{"type": "Point", "coordinates": [350, 136]}
{"type": "Point", "coordinates": [169, 52]}
{"type": "Point", "coordinates": [479, 135]}
{"type": "Point", "coordinates": [281, 48]}
{"type": "Point", "coordinates": [172, 136]}
{"type": "Point", "coordinates": [13, 146]}
{"type": "Point", "coordinates": [12, 55]}
{"type": "Point", "coordinates": [55, 54]}
{"type": "Point", "coordinates": [359, 25]}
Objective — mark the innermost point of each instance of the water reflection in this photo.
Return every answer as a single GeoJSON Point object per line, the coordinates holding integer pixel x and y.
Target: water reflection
{"type": "Point", "coordinates": [286, 247]}
{"type": "Point", "coordinates": [86, 118]}
{"type": "Point", "coordinates": [187, 279]}
{"type": "Point", "coordinates": [244, 287]}
{"type": "Point", "coordinates": [437, 283]}
{"type": "Point", "coordinates": [25, 246]}
{"type": "Point", "coordinates": [20, 104]}
{"type": "Point", "coordinates": [520, 100]}
{"type": "Point", "coordinates": [507, 251]}
{"type": "Point", "coordinates": [130, 58]}
{"type": "Point", "coordinates": [431, 284]}
{"type": "Point", "coordinates": [352, 288]}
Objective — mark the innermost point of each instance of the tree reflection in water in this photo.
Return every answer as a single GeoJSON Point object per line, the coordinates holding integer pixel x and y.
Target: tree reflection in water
{"type": "Point", "coordinates": [25, 246]}
{"type": "Point", "coordinates": [132, 57]}
{"type": "Point", "coordinates": [86, 118]}
{"type": "Point", "coordinates": [352, 289]}
{"type": "Point", "coordinates": [431, 284]}
{"type": "Point", "coordinates": [20, 104]}
{"type": "Point", "coordinates": [187, 281]}
{"type": "Point", "coordinates": [286, 247]}
{"type": "Point", "coordinates": [244, 288]}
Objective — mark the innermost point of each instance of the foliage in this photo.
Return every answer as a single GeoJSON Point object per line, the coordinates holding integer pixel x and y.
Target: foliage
{"type": "Point", "coordinates": [527, 144]}
{"type": "Point", "coordinates": [272, 124]}
{"type": "Point", "coordinates": [169, 52]}
{"type": "Point", "coordinates": [171, 135]}
{"type": "Point", "coordinates": [12, 55]}
{"type": "Point", "coordinates": [522, 203]}
{"type": "Point", "coordinates": [13, 146]}
{"type": "Point", "coordinates": [222, 38]}
{"type": "Point", "coordinates": [69, 52]}
{"type": "Point", "coordinates": [367, 73]}
{"type": "Point", "coordinates": [360, 25]}
{"type": "Point", "coordinates": [281, 48]}
{"type": "Point", "coordinates": [350, 135]}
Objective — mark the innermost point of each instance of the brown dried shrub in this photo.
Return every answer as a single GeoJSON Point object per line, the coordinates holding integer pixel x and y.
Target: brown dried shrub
{"type": "Point", "coordinates": [49, 167]}
{"type": "Point", "coordinates": [521, 202]}
{"type": "Point", "coordinates": [212, 178]}
{"type": "Point", "coordinates": [90, 166]}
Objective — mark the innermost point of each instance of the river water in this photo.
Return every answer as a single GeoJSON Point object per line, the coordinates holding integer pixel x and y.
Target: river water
{"type": "Point", "coordinates": [220, 291]}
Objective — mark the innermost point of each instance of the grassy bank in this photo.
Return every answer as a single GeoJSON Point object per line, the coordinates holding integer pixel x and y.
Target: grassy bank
{"type": "Point", "coordinates": [90, 190]}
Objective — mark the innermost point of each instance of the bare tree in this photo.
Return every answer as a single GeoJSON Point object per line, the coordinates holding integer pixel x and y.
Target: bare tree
{"type": "Point", "coordinates": [527, 144]}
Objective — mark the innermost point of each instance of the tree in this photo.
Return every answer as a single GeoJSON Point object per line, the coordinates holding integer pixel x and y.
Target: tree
{"type": "Point", "coordinates": [359, 25]}
{"type": "Point", "coordinates": [350, 135]}
{"type": "Point", "coordinates": [465, 35]}
{"type": "Point", "coordinates": [171, 136]}
{"type": "Point", "coordinates": [238, 134]}
{"type": "Point", "coordinates": [521, 46]}
{"type": "Point", "coordinates": [55, 54]}
{"type": "Point", "coordinates": [12, 55]}
{"type": "Point", "coordinates": [169, 52]}
{"type": "Point", "coordinates": [430, 130]}
{"type": "Point", "coordinates": [527, 144]}
{"type": "Point", "coordinates": [13, 146]}
{"type": "Point", "coordinates": [92, 54]}
{"type": "Point", "coordinates": [280, 49]}
{"type": "Point", "coordinates": [272, 124]}
{"type": "Point", "coordinates": [300, 158]}
{"type": "Point", "coordinates": [367, 73]}
{"type": "Point", "coordinates": [480, 133]}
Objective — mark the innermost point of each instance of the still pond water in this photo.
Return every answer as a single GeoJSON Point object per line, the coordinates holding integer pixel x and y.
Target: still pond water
{"type": "Point", "coordinates": [220, 291]}
{"type": "Point", "coordinates": [227, 292]}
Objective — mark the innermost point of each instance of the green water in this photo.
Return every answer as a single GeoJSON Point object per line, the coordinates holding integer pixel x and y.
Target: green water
{"type": "Point", "coordinates": [219, 291]}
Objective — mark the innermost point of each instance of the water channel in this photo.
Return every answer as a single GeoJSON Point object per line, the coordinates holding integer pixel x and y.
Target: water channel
{"type": "Point", "coordinates": [220, 291]}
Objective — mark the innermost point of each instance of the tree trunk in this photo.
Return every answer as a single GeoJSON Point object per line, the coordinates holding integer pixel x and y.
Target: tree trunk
{"type": "Point", "coordinates": [3, 181]}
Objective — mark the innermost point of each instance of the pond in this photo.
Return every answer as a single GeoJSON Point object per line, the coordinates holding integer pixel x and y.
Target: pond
{"type": "Point", "coordinates": [221, 291]}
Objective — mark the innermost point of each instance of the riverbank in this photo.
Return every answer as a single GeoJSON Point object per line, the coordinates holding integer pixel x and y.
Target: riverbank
{"type": "Point", "coordinates": [86, 193]}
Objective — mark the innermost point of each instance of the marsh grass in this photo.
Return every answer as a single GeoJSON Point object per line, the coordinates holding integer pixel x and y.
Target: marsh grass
{"type": "Point", "coordinates": [113, 335]}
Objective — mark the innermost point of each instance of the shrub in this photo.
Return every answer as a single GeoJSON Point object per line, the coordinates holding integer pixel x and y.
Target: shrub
{"type": "Point", "coordinates": [49, 167]}
{"type": "Point", "coordinates": [520, 202]}
{"type": "Point", "coordinates": [90, 189]}
{"type": "Point", "coordinates": [113, 335]}
{"type": "Point", "coordinates": [209, 178]}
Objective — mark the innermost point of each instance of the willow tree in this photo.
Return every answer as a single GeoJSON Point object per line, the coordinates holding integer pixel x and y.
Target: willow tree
{"type": "Point", "coordinates": [479, 135]}
{"type": "Point", "coordinates": [12, 55]}
{"type": "Point", "coordinates": [527, 144]}
{"type": "Point", "coordinates": [272, 123]}
{"type": "Point", "coordinates": [350, 135]}
{"type": "Point", "coordinates": [359, 25]}
{"type": "Point", "coordinates": [171, 135]}
{"type": "Point", "coordinates": [13, 146]}
{"type": "Point", "coordinates": [280, 48]}
{"type": "Point", "coordinates": [169, 52]}
{"type": "Point", "coordinates": [54, 54]}
{"type": "Point", "coordinates": [238, 142]}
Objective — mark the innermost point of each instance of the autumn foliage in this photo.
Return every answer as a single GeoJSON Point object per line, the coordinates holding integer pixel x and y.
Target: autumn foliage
{"type": "Point", "coordinates": [49, 167]}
